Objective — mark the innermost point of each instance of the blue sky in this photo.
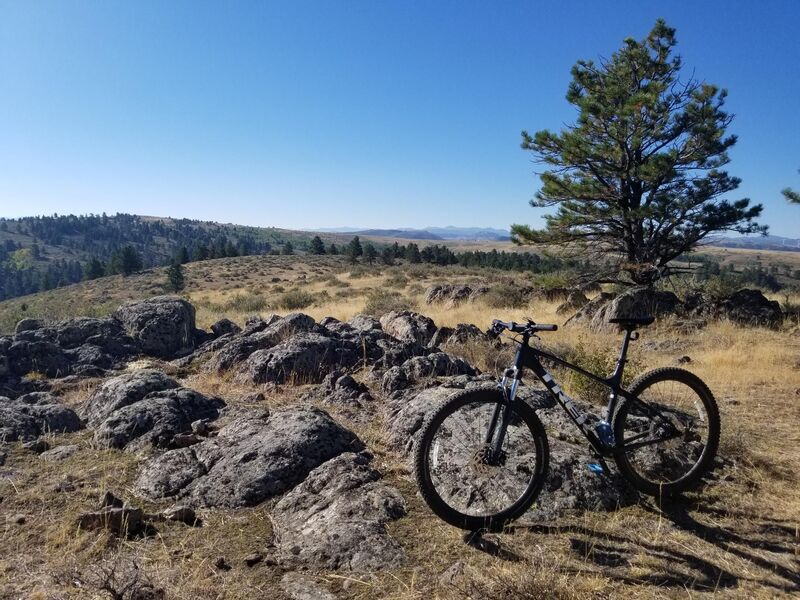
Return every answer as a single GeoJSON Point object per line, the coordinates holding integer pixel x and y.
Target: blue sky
{"type": "Point", "coordinates": [349, 113]}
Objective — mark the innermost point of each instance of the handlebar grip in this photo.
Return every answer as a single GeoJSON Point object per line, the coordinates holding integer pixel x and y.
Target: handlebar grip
{"type": "Point", "coordinates": [547, 327]}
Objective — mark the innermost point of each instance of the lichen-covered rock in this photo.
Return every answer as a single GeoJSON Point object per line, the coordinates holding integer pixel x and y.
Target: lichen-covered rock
{"type": "Point", "coordinates": [336, 518]}
{"type": "Point", "coordinates": [254, 457]}
{"type": "Point", "coordinates": [451, 295]}
{"type": "Point", "coordinates": [751, 307]}
{"type": "Point", "coordinates": [156, 419]}
{"type": "Point", "coordinates": [259, 335]}
{"type": "Point", "coordinates": [163, 326]}
{"type": "Point", "coordinates": [636, 302]}
{"type": "Point", "coordinates": [345, 393]}
{"type": "Point", "coordinates": [409, 326]}
{"type": "Point", "coordinates": [118, 392]}
{"type": "Point", "coordinates": [38, 357]}
{"type": "Point", "coordinates": [35, 414]}
{"type": "Point", "coordinates": [224, 327]}
{"type": "Point", "coordinates": [303, 358]}
{"type": "Point", "coordinates": [415, 369]}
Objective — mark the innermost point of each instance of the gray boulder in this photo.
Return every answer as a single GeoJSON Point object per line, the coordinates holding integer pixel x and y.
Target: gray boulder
{"type": "Point", "coordinates": [163, 326]}
{"type": "Point", "coordinates": [451, 295]}
{"type": "Point", "coordinates": [336, 518]}
{"type": "Point", "coordinates": [259, 335]}
{"type": "Point", "coordinates": [409, 326]}
{"type": "Point", "coordinates": [340, 390]}
{"type": "Point", "coordinates": [254, 457]}
{"type": "Point", "coordinates": [156, 419]}
{"type": "Point", "coordinates": [119, 392]}
{"type": "Point", "coordinates": [303, 358]}
{"type": "Point", "coordinates": [224, 327]}
{"type": "Point", "coordinates": [416, 370]}
{"type": "Point", "coordinates": [751, 307]}
{"type": "Point", "coordinates": [39, 357]}
{"type": "Point", "coordinates": [35, 414]}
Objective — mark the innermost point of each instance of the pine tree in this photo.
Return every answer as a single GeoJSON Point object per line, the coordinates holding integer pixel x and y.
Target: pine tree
{"type": "Point", "coordinates": [388, 255]}
{"type": "Point", "coordinates": [175, 276]}
{"type": "Point", "coordinates": [354, 249]}
{"type": "Point", "coordinates": [288, 249]}
{"type": "Point", "coordinates": [183, 255]}
{"type": "Point", "coordinates": [130, 261]}
{"type": "Point", "coordinates": [316, 246]}
{"type": "Point", "coordinates": [370, 254]}
{"type": "Point", "coordinates": [94, 269]}
{"type": "Point", "coordinates": [333, 250]}
{"type": "Point", "coordinates": [412, 253]}
{"type": "Point", "coordinates": [638, 178]}
{"type": "Point", "coordinates": [791, 195]}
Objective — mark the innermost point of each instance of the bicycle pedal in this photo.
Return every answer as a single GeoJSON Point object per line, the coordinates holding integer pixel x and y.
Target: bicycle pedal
{"type": "Point", "coordinates": [597, 468]}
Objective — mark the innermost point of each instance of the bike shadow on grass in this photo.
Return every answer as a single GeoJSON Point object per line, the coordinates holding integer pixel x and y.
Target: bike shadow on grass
{"type": "Point", "coordinates": [669, 566]}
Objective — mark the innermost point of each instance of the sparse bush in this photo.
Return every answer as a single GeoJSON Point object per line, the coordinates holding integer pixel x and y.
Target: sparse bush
{"type": "Point", "coordinates": [358, 272]}
{"type": "Point", "coordinates": [334, 281]}
{"type": "Point", "coordinates": [396, 280]}
{"type": "Point", "coordinates": [382, 301]}
{"type": "Point", "coordinates": [600, 361]}
{"type": "Point", "coordinates": [296, 299]}
{"type": "Point", "coordinates": [248, 302]}
{"type": "Point", "coordinates": [505, 296]}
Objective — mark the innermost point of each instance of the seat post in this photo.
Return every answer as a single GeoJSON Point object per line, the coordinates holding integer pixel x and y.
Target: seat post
{"type": "Point", "coordinates": [622, 355]}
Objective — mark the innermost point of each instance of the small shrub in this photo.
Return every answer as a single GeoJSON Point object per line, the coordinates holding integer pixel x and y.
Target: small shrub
{"type": "Point", "coordinates": [296, 299]}
{"type": "Point", "coordinates": [600, 361]}
{"type": "Point", "coordinates": [248, 302]}
{"type": "Point", "coordinates": [358, 272]}
{"type": "Point", "coordinates": [396, 280]}
{"type": "Point", "coordinates": [382, 301]}
{"type": "Point", "coordinates": [505, 296]}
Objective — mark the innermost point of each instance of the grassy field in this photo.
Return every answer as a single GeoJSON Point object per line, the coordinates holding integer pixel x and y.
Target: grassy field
{"type": "Point", "coordinates": [737, 537]}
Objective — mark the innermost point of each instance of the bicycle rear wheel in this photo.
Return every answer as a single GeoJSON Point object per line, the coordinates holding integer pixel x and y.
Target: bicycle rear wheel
{"type": "Point", "coordinates": [456, 474]}
{"type": "Point", "coordinates": [675, 419]}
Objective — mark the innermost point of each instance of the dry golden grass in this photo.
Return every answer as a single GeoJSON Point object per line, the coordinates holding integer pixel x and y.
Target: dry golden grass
{"type": "Point", "coordinates": [737, 537]}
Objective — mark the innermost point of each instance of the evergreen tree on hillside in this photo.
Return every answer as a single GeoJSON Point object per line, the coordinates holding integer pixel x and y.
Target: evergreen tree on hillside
{"type": "Point", "coordinates": [354, 249]}
{"type": "Point", "coordinates": [183, 255]}
{"type": "Point", "coordinates": [370, 253]}
{"type": "Point", "coordinates": [175, 276]}
{"type": "Point", "coordinates": [288, 249]}
{"type": "Point", "coordinates": [412, 253]}
{"type": "Point", "coordinates": [639, 178]}
{"type": "Point", "coordinates": [201, 253]}
{"type": "Point", "coordinates": [94, 269]}
{"type": "Point", "coordinates": [388, 255]}
{"type": "Point", "coordinates": [333, 250]}
{"type": "Point", "coordinates": [125, 261]}
{"type": "Point", "coordinates": [316, 246]}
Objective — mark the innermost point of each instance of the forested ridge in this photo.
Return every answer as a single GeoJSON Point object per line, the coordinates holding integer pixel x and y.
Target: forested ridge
{"type": "Point", "coordinates": [44, 252]}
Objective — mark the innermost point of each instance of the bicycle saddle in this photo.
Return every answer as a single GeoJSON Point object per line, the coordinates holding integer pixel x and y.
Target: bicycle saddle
{"type": "Point", "coordinates": [633, 321]}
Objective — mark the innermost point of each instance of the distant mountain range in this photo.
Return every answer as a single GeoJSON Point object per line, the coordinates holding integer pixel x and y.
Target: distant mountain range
{"type": "Point", "coordinates": [482, 234]}
{"type": "Point", "coordinates": [768, 242]}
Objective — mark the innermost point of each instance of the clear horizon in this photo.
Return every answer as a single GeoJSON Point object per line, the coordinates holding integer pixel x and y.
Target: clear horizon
{"type": "Point", "coordinates": [307, 115]}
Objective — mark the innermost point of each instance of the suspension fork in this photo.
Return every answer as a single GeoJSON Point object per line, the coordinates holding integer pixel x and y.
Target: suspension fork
{"type": "Point", "coordinates": [502, 412]}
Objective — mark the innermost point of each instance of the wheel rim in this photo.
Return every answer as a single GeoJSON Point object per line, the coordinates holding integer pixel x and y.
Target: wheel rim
{"type": "Point", "coordinates": [465, 475]}
{"type": "Point", "coordinates": [686, 424]}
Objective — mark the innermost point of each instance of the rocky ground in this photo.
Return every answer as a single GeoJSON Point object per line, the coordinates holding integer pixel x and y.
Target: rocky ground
{"type": "Point", "coordinates": [143, 457]}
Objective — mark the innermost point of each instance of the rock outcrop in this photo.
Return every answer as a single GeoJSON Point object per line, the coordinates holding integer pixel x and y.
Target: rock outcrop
{"type": "Point", "coordinates": [163, 326]}
{"type": "Point", "coordinates": [254, 457]}
{"type": "Point", "coordinates": [336, 518]}
{"type": "Point", "coordinates": [31, 415]}
{"type": "Point", "coordinates": [145, 408]}
{"type": "Point", "coordinates": [409, 326]}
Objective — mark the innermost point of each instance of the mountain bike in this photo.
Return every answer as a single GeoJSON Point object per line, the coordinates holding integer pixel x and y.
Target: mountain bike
{"type": "Point", "coordinates": [482, 457]}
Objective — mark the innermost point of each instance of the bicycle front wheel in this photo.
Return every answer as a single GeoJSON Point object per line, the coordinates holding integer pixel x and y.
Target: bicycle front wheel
{"type": "Point", "coordinates": [460, 479]}
{"type": "Point", "coordinates": [667, 432]}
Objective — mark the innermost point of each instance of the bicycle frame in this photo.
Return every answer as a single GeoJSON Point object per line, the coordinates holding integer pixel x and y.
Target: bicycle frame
{"type": "Point", "coordinates": [530, 358]}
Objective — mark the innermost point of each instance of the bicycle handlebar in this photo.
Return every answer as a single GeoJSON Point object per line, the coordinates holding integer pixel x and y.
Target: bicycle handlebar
{"type": "Point", "coordinates": [530, 327]}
